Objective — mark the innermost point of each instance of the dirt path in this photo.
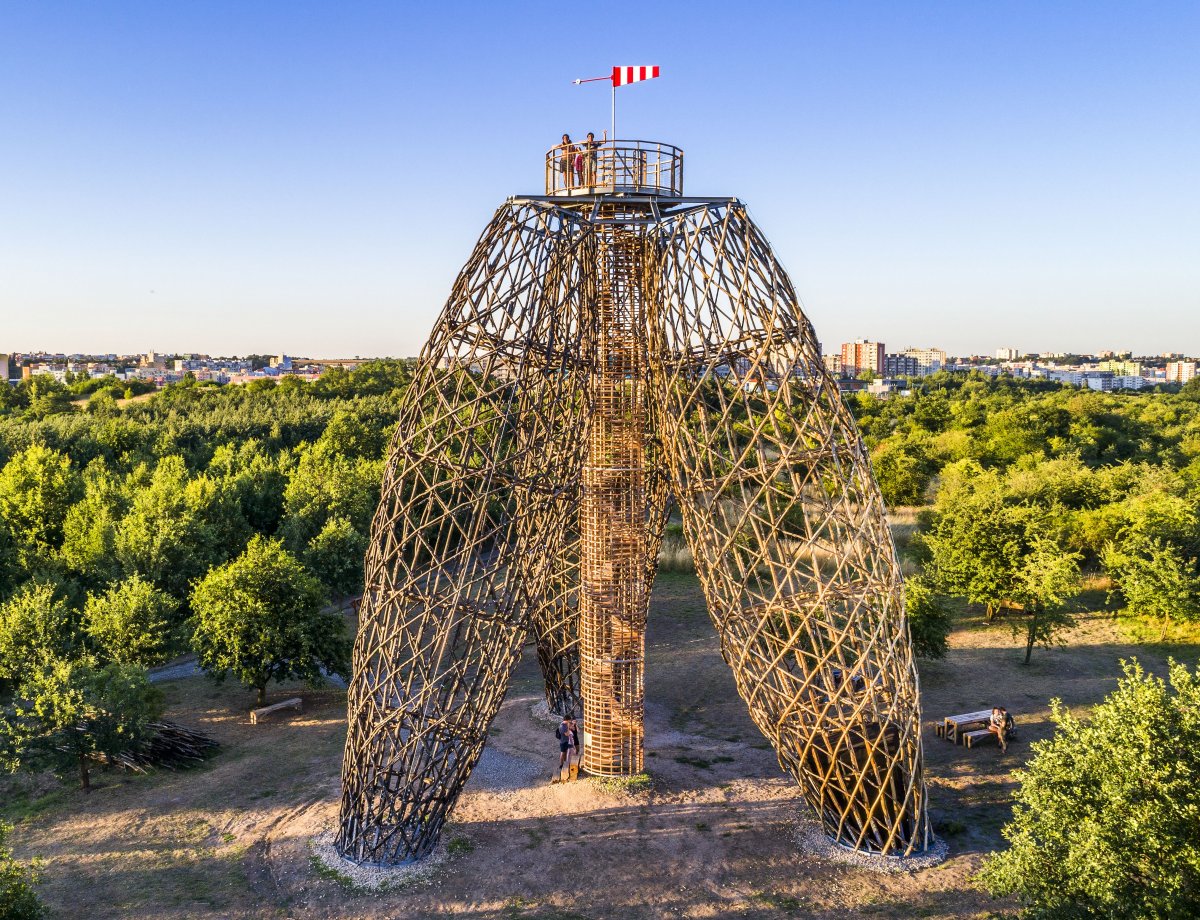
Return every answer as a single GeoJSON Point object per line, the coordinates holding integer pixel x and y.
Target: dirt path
{"type": "Point", "coordinates": [188, 667]}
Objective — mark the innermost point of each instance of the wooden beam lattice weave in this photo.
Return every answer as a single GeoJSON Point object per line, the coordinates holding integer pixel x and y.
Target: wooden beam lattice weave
{"type": "Point", "coordinates": [593, 361]}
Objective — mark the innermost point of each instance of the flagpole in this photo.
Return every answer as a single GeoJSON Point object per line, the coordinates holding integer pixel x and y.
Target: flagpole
{"type": "Point", "coordinates": [614, 97]}
{"type": "Point", "coordinates": [621, 76]}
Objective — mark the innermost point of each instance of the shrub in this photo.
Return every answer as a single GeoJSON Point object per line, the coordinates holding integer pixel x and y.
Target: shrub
{"type": "Point", "coordinates": [17, 898]}
{"type": "Point", "coordinates": [1106, 815]}
{"type": "Point", "coordinates": [929, 618]}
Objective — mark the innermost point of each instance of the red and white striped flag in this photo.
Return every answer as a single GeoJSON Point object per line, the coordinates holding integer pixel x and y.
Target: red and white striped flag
{"type": "Point", "coordinates": [623, 75]}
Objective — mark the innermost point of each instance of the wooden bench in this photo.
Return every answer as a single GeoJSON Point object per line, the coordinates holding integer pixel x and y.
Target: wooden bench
{"type": "Point", "coordinates": [954, 726]}
{"type": "Point", "coordinates": [294, 703]}
{"type": "Point", "coordinates": [971, 739]}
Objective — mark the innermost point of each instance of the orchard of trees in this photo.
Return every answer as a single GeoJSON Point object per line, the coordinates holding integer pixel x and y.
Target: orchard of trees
{"type": "Point", "coordinates": [222, 520]}
{"type": "Point", "coordinates": [215, 519]}
{"type": "Point", "coordinates": [1029, 487]}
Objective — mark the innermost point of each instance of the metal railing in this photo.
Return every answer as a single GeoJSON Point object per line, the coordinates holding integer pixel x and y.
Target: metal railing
{"type": "Point", "coordinates": [614, 166]}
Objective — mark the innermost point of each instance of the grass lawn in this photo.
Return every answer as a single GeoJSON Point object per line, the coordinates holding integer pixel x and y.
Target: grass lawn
{"type": "Point", "coordinates": [710, 837]}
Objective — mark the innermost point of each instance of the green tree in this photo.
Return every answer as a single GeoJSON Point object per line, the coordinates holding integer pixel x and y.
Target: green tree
{"type": "Point", "coordinates": [178, 527]}
{"type": "Point", "coordinates": [1155, 579]}
{"type": "Point", "coordinates": [256, 478]}
{"type": "Point", "coordinates": [1106, 812]}
{"type": "Point", "coordinates": [89, 530]}
{"type": "Point", "coordinates": [259, 617]}
{"type": "Point", "coordinates": [350, 436]}
{"type": "Point", "coordinates": [974, 541]}
{"type": "Point", "coordinates": [131, 622]}
{"type": "Point", "coordinates": [37, 486]}
{"type": "Point", "coordinates": [1048, 578]}
{"type": "Point", "coordinates": [903, 470]}
{"type": "Point", "coordinates": [102, 402]}
{"type": "Point", "coordinates": [327, 485]}
{"type": "Point", "coordinates": [18, 900]}
{"type": "Point", "coordinates": [335, 556]}
{"type": "Point", "coordinates": [155, 538]}
{"type": "Point", "coordinates": [69, 714]}
{"type": "Point", "coordinates": [36, 626]}
{"type": "Point", "coordinates": [12, 398]}
{"type": "Point", "coordinates": [929, 619]}
{"type": "Point", "coordinates": [994, 539]}
{"type": "Point", "coordinates": [47, 397]}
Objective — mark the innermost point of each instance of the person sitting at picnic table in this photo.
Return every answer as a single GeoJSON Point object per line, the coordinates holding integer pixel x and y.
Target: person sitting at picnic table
{"type": "Point", "coordinates": [999, 725]}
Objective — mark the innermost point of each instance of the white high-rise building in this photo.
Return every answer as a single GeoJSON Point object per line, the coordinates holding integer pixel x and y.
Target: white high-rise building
{"type": "Point", "coordinates": [928, 359]}
{"type": "Point", "coordinates": [3, 368]}
{"type": "Point", "coordinates": [1007, 354]}
{"type": "Point", "coordinates": [1181, 371]}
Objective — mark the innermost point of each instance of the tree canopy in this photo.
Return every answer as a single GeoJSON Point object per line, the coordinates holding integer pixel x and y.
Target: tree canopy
{"type": "Point", "coordinates": [130, 623]}
{"type": "Point", "coordinates": [259, 617]}
{"type": "Point", "coordinates": [36, 626]}
{"type": "Point", "coordinates": [67, 713]}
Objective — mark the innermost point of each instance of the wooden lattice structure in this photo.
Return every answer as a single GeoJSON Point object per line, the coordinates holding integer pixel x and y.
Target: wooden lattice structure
{"type": "Point", "coordinates": [608, 346]}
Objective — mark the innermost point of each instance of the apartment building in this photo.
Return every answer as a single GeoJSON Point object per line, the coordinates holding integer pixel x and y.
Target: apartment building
{"type": "Point", "coordinates": [861, 355]}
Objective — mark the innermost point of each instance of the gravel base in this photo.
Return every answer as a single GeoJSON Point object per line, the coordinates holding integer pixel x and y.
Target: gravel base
{"type": "Point", "coordinates": [375, 878]}
{"type": "Point", "coordinates": [501, 772]}
{"type": "Point", "coordinates": [809, 838]}
{"type": "Point", "coordinates": [541, 713]}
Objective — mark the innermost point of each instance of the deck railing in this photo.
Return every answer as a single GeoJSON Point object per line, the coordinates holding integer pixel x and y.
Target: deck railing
{"type": "Point", "coordinates": [614, 166]}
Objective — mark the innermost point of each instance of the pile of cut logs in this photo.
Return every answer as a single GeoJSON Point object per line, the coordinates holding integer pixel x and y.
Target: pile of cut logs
{"type": "Point", "coordinates": [171, 746]}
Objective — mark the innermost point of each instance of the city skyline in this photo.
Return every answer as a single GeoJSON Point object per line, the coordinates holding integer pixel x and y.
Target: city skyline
{"type": "Point", "coordinates": [227, 179]}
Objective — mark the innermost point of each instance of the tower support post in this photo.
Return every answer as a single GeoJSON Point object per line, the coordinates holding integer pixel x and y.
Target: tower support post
{"type": "Point", "coordinates": [614, 533]}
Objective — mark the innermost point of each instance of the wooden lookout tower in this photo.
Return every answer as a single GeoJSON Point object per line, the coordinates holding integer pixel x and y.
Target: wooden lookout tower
{"type": "Point", "coordinates": [610, 347]}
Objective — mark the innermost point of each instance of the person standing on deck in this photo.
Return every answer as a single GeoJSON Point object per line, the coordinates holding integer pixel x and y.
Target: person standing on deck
{"type": "Point", "coordinates": [567, 151]}
{"type": "Point", "coordinates": [590, 148]}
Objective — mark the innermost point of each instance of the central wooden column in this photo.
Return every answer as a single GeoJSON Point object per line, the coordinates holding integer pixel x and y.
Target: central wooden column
{"type": "Point", "coordinates": [614, 536]}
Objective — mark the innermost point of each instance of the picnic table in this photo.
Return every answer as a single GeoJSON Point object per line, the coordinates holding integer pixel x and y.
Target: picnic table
{"type": "Point", "coordinates": [953, 727]}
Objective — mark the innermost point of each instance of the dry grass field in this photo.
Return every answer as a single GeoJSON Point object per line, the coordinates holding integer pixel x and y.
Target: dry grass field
{"type": "Point", "coordinates": [711, 837]}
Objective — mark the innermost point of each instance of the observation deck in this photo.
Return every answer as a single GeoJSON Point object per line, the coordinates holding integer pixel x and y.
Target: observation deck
{"type": "Point", "coordinates": [614, 167]}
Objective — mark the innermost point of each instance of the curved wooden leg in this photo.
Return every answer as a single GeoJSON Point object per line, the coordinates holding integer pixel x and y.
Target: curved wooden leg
{"type": "Point", "coordinates": [467, 534]}
{"type": "Point", "coordinates": [789, 532]}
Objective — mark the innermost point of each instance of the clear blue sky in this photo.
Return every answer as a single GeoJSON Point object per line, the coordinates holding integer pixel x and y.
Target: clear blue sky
{"type": "Point", "coordinates": [308, 177]}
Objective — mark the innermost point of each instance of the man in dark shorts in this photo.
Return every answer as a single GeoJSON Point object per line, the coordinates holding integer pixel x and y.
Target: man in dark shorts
{"type": "Point", "coordinates": [566, 735]}
{"type": "Point", "coordinates": [590, 146]}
